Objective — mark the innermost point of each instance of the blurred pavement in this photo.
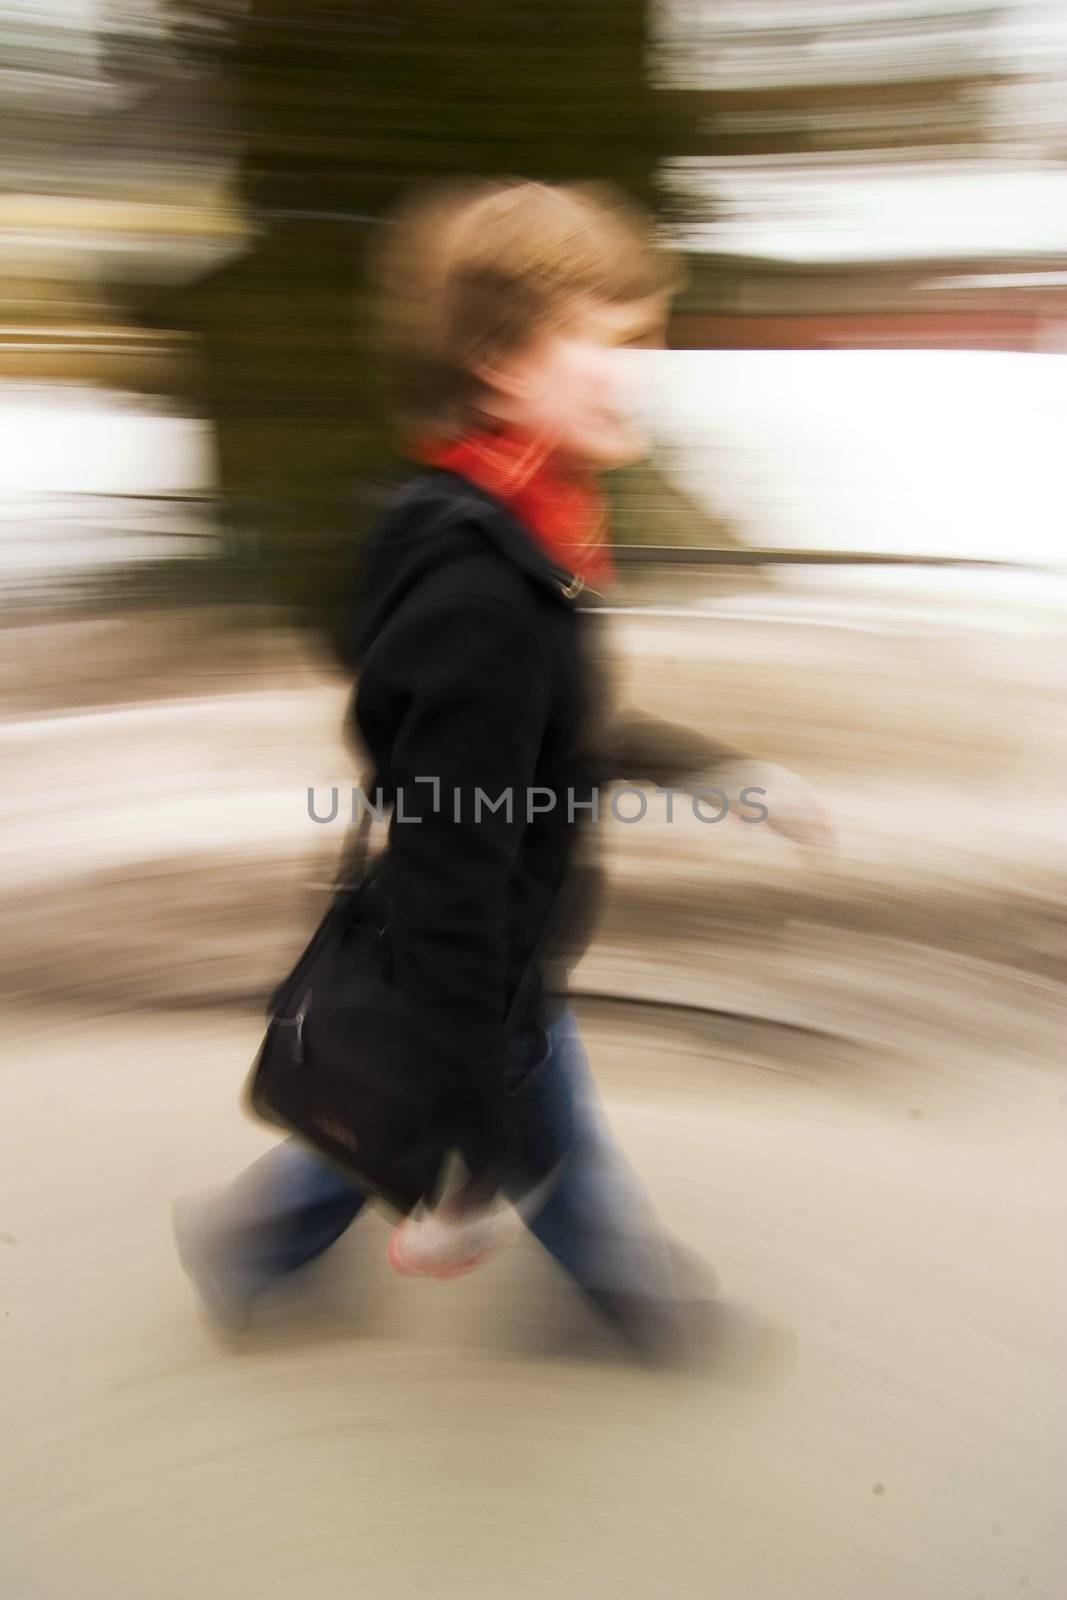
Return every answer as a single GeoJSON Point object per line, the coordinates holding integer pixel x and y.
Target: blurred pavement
{"type": "Point", "coordinates": [869, 1152]}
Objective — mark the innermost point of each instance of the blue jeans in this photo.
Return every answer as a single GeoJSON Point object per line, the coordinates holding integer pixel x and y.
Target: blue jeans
{"type": "Point", "coordinates": [595, 1219]}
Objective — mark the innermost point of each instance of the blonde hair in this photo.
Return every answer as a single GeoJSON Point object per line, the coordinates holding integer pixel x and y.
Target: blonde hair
{"type": "Point", "coordinates": [470, 273]}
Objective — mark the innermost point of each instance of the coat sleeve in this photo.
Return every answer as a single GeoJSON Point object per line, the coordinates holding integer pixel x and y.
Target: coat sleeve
{"type": "Point", "coordinates": [652, 750]}
{"type": "Point", "coordinates": [471, 683]}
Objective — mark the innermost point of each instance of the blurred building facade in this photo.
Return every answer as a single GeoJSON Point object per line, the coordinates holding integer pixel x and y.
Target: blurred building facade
{"type": "Point", "coordinates": [886, 173]}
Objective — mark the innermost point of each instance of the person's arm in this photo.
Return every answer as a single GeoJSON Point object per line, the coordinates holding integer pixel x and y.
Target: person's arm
{"type": "Point", "coordinates": [644, 749]}
{"type": "Point", "coordinates": [647, 749]}
{"type": "Point", "coordinates": [474, 680]}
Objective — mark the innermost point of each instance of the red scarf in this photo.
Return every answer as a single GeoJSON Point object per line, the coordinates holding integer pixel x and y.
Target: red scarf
{"type": "Point", "coordinates": [565, 512]}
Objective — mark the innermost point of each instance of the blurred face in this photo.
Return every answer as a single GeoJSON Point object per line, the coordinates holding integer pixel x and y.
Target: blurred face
{"type": "Point", "coordinates": [575, 387]}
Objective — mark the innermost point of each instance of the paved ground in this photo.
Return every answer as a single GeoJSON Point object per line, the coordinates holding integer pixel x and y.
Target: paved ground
{"type": "Point", "coordinates": [880, 1415]}
{"type": "Point", "coordinates": [874, 1168]}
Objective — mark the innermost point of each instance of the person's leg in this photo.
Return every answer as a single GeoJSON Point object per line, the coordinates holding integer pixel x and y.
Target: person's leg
{"type": "Point", "coordinates": [282, 1211]}
{"type": "Point", "coordinates": [597, 1220]}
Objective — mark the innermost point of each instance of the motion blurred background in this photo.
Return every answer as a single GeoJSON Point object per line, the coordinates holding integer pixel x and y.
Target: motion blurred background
{"type": "Point", "coordinates": [843, 1077]}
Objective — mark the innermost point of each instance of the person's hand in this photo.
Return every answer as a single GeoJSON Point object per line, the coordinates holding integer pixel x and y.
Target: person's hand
{"type": "Point", "coordinates": [449, 1241]}
{"type": "Point", "coordinates": [794, 809]}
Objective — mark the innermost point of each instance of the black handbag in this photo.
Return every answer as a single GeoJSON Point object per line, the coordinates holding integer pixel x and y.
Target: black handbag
{"type": "Point", "coordinates": [332, 1067]}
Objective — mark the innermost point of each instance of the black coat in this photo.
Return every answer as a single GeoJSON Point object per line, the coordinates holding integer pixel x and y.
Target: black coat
{"type": "Point", "coordinates": [477, 680]}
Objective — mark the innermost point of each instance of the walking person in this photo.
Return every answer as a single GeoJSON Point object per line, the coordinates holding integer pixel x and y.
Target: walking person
{"type": "Point", "coordinates": [479, 700]}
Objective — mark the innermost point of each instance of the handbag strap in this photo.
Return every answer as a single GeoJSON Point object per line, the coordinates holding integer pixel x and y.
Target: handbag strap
{"type": "Point", "coordinates": [352, 865]}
